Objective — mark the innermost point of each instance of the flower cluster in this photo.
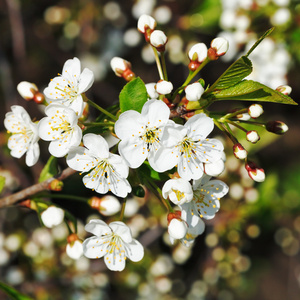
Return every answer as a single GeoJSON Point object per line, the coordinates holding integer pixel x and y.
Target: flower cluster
{"type": "Point", "coordinates": [157, 129]}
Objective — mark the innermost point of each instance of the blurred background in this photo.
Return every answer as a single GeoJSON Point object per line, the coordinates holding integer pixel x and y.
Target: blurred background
{"type": "Point", "coordinates": [251, 249]}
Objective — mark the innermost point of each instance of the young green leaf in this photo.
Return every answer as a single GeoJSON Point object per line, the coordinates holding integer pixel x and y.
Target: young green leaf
{"type": "Point", "coordinates": [233, 75]}
{"type": "Point", "coordinates": [268, 32]}
{"type": "Point", "coordinates": [133, 95]}
{"type": "Point", "coordinates": [2, 183]}
{"type": "Point", "coordinates": [249, 90]}
{"type": "Point", "coordinates": [49, 170]}
{"type": "Point", "coordinates": [14, 294]}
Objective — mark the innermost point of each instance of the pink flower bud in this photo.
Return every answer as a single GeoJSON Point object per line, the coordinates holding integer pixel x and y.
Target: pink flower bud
{"type": "Point", "coordinates": [220, 45]}
{"type": "Point", "coordinates": [74, 247]}
{"type": "Point", "coordinates": [194, 91]}
{"type": "Point", "coordinates": [52, 216]}
{"type": "Point", "coordinates": [146, 22]}
{"type": "Point", "coordinates": [122, 68]}
{"type": "Point", "coordinates": [239, 151]}
{"type": "Point", "coordinates": [164, 87]}
{"type": "Point", "coordinates": [277, 127]}
{"type": "Point", "coordinates": [107, 205]}
{"type": "Point", "coordinates": [284, 89]}
{"type": "Point", "coordinates": [177, 228]}
{"type": "Point", "coordinates": [158, 39]}
{"type": "Point", "coordinates": [252, 136]}
{"type": "Point", "coordinates": [255, 110]}
{"type": "Point", "coordinates": [27, 90]}
{"type": "Point", "coordinates": [255, 173]}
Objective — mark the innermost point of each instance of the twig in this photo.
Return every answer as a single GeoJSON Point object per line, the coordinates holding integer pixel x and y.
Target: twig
{"type": "Point", "coordinates": [34, 189]}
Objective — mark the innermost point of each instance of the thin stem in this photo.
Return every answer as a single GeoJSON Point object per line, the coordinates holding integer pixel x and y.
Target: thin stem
{"type": "Point", "coordinates": [63, 196]}
{"type": "Point", "coordinates": [226, 130]}
{"type": "Point", "coordinates": [164, 67]}
{"type": "Point", "coordinates": [69, 228]}
{"type": "Point", "coordinates": [104, 111]}
{"type": "Point", "coordinates": [99, 124]}
{"type": "Point", "coordinates": [157, 191]}
{"type": "Point", "coordinates": [123, 209]}
{"type": "Point", "coordinates": [159, 68]}
{"type": "Point", "coordinates": [237, 125]}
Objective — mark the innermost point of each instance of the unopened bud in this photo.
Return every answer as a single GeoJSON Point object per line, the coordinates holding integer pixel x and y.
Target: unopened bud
{"type": "Point", "coordinates": [27, 90]}
{"type": "Point", "coordinates": [107, 205]}
{"type": "Point", "coordinates": [177, 228]}
{"type": "Point", "coordinates": [158, 39]}
{"type": "Point", "coordinates": [255, 173]}
{"type": "Point", "coordinates": [277, 127]}
{"type": "Point", "coordinates": [284, 89]}
{"type": "Point", "coordinates": [243, 116]}
{"type": "Point", "coordinates": [239, 151]}
{"type": "Point", "coordinates": [252, 136]}
{"type": "Point", "coordinates": [197, 55]}
{"type": "Point", "coordinates": [56, 185]}
{"type": "Point", "coordinates": [74, 247]}
{"type": "Point", "coordinates": [164, 87]}
{"type": "Point", "coordinates": [255, 110]}
{"type": "Point", "coordinates": [146, 24]}
{"type": "Point", "coordinates": [194, 91]}
{"type": "Point", "coordinates": [220, 45]}
{"type": "Point", "coordinates": [122, 68]}
{"type": "Point", "coordinates": [151, 91]}
{"type": "Point", "coordinates": [28, 203]}
{"type": "Point", "coordinates": [52, 216]}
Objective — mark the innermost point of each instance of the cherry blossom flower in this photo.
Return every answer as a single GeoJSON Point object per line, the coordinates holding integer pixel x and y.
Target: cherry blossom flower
{"type": "Point", "coordinates": [113, 242]}
{"type": "Point", "coordinates": [68, 87]}
{"type": "Point", "coordinates": [188, 148]}
{"type": "Point", "coordinates": [74, 249]}
{"type": "Point", "coordinates": [178, 191]}
{"type": "Point", "coordinates": [141, 133]}
{"type": "Point", "coordinates": [207, 195]}
{"type": "Point", "coordinates": [194, 91]}
{"type": "Point", "coordinates": [24, 137]}
{"type": "Point", "coordinates": [60, 127]}
{"type": "Point", "coordinates": [105, 171]}
{"type": "Point", "coordinates": [177, 229]}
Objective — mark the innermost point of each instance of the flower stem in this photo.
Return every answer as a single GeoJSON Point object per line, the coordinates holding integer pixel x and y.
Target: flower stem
{"type": "Point", "coordinates": [63, 196]}
{"type": "Point", "coordinates": [123, 209]}
{"type": "Point", "coordinates": [99, 124]}
{"type": "Point", "coordinates": [159, 68]}
{"type": "Point", "coordinates": [104, 111]}
{"type": "Point", "coordinates": [237, 125]}
{"type": "Point", "coordinates": [226, 129]}
{"type": "Point", "coordinates": [164, 67]}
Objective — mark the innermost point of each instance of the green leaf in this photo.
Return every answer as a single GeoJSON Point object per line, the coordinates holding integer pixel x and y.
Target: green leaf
{"type": "Point", "coordinates": [2, 183]}
{"type": "Point", "coordinates": [133, 95]}
{"type": "Point", "coordinates": [14, 294]}
{"type": "Point", "coordinates": [233, 75]}
{"type": "Point", "coordinates": [50, 169]}
{"type": "Point", "coordinates": [145, 171]}
{"type": "Point", "coordinates": [260, 40]}
{"type": "Point", "coordinates": [248, 90]}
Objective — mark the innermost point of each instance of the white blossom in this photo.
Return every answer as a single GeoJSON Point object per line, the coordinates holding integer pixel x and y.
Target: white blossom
{"type": "Point", "coordinates": [24, 137]}
{"type": "Point", "coordinates": [239, 151]}
{"type": "Point", "coordinates": [141, 133]}
{"type": "Point", "coordinates": [74, 249]}
{"type": "Point", "coordinates": [178, 191]}
{"type": "Point", "coordinates": [119, 65]}
{"type": "Point", "coordinates": [105, 171]}
{"type": "Point", "coordinates": [52, 216]}
{"type": "Point", "coordinates": [164, 87]}
{"type": "Point", "coordinates": [113, 242]}
{"type": "Point", "coordinates": [68, 87]}
{"type": "Point", "coordinates": [60, 128]}
{"type": "Point", "coordinates": [177, 229]}
{"type": "Point", "coordinates": [194, 91]}
{"type": "Point", "coordinates": [109, 205]}
{"type": "Point", "coordinates": [151, 91]}
{"type": "Point", "coordinates": [207, 195]}
{"type": "Point", "coordinates": [158, 39]}
{"type": "Point", "coordinates": [252, 136]}
{"type": "Point", "coordinates": [188, 147]}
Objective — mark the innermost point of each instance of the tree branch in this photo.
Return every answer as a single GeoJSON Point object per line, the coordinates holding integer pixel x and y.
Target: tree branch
{"type": "Point", "coordinates": [34, 189]}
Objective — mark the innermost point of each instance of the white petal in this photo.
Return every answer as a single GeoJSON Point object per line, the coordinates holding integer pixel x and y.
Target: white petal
{"type": "Point", "coordinates": [119, 165]}
{"type": "Point", "coordinates": [156, 113]}
{"type": "Point", "coordinates": [94, 247]}
{"type": "Point", "coordinates": [72, 67]}
{"type": "Point", "coordinates": [114, 262]}
{"type": "Point", "coordinates": [74, 251]}
{"type": "Point", "coordinates": [97, 227]}
{"type": "Point", "coordinates": [79, 159]}
{"type": "Point", "coordinates": [32, 154]}
{"type": "Point", "coordinates": [214, 168]}
{"type": "Point", "coordinates": [129, 124]}
{"type": "Point", "coordinates": [86, 80]}
{"type": "Point", "coordinates": [199, 126]}
{"type": "Point", "coordinates": [165, 159]}
{"type": "Point", "coordinates": [134, 152]}
{"type": "Point", "coordinates": [122, 230]}
{"type": "Point", "coordinates": [134, 250]}
{"type": "Point", "coordinates": [96, 144]}
{"type": "Point", "coordinates": [189, 168]}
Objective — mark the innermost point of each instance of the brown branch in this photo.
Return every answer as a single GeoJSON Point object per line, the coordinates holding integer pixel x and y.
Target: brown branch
{"type": "Point", "coordinates": [34, 189]}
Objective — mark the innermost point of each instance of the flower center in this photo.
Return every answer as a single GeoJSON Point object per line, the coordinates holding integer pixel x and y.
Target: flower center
{"type": "Point", "coordinates": [179, 195]}
{"type": "Point", "coordinates": [69, 91]}
{"type": "Point", "coordinates": [187, 147]}
{"type": "Point", "coordinates": [151, 137]}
